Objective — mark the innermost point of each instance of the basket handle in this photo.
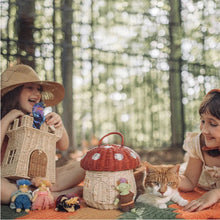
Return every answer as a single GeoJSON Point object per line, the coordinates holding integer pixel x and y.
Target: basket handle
{"type": "Point", "coordinates": [115, 132]}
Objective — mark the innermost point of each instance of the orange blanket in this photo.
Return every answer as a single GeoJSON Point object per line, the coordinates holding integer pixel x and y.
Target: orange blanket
{"type": "Point", "coordinates": [210, 213]}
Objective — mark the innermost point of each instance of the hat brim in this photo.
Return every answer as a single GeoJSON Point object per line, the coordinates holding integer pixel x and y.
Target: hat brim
{"type": "Point", "coordinates": [52, 94]}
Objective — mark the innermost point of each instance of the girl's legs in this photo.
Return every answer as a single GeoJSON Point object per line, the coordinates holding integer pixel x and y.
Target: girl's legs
{"type": "Point", "coordinates": [7, 188]}
{"type": "Point", "coordinates": [67, 178]}
{"type": "Point", "coordinates": [78, 190]}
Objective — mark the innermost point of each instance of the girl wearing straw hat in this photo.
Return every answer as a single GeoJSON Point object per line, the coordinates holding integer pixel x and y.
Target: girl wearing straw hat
{"type": "Point", "coordinates": [21, 89]}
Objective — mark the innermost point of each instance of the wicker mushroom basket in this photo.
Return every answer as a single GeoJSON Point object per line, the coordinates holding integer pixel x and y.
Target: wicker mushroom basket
{"type": "Point", "coordinates": [105, 165]}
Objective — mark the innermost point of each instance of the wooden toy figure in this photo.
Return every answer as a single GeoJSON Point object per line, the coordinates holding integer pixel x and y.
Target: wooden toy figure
{"type": "Point", "coordinates": [21, 199]}
{"type": "Point", "coordinates": [42, 197]}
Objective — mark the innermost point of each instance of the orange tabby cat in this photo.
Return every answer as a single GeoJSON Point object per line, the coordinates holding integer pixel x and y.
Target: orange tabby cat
{"type": "Point", "coordinates": [158, 184]}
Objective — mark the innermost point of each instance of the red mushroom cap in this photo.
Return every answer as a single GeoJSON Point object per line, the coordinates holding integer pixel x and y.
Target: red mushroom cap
{"type": "Point", "coordinates": [110, 157]}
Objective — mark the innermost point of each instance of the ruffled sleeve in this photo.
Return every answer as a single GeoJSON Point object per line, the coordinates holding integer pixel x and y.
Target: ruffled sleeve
{"type": "Point", "coordinates": [192, 145]}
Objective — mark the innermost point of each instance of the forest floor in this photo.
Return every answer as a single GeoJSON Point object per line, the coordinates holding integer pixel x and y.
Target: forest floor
{"type": "Point", "coordinates": [162, 156]}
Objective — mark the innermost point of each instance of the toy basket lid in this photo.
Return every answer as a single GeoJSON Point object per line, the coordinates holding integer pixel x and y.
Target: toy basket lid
{"type": "Point", "coordinates": [110, 157]}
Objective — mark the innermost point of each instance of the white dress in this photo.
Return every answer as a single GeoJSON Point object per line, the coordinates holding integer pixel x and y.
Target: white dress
{"type": "Point", "coordinates": [210, 176]}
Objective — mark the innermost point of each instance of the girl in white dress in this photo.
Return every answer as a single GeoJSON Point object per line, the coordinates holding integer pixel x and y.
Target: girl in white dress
{"type": "Point", "coordinates": [203, 150]}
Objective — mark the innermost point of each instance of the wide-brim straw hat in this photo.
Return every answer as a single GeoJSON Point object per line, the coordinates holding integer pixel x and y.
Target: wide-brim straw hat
{"type": "Point", "coordinates": [18, 75]}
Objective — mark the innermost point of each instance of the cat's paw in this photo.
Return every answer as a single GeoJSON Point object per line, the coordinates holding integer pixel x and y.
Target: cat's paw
{"type": "Point", "coordinates": [183, 202]}
{"type": "Point", "coordinates": [141, 198]}
{"type": "Point", "coordinates": [162, 206]}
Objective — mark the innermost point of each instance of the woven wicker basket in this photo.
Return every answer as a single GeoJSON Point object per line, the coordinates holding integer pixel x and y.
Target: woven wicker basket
{"type": "Point", "coordinates": [99, 187]}
{"type": "Point", "coordinates": [105, 165]}
{"type": "Point", "coordinates": [30, 152]}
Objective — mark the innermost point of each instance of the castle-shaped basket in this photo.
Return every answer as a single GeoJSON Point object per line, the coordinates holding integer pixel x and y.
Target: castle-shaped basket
{"type": "Point", "coordinates": [30, 152]}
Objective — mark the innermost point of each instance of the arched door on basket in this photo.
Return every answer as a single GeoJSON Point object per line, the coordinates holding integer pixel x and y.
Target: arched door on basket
{"type": "Point", "coordinates": [102, 192]}
{"type": "Point", "coordinates": [37, 164]}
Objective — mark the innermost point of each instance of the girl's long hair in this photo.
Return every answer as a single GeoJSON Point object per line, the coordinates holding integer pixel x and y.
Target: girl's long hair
{"type": "Point", "coordinates": [10, 101]}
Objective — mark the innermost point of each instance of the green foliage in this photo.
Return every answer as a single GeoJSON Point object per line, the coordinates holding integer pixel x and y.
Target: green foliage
{"type": "Point", "coordinates": [120, 55]}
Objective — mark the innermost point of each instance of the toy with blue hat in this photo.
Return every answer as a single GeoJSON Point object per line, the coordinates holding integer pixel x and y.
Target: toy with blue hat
{"type": "Point", "coordinates": [21, 198]}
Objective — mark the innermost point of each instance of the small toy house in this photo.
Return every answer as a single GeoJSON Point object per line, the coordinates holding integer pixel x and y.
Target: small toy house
{"type": "Point", "coordinates": [105, 165]}
{"type": "Point", "coordinates": [30, 152]}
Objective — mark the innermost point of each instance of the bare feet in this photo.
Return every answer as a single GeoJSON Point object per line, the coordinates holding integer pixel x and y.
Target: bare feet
{"type": "Point", "coordinates": [18, 210]}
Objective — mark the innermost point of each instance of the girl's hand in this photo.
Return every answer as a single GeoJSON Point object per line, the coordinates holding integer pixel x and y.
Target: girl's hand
{"type": "Point", "coordinates": [12, 115]}
{"type": "Point", "coordinates": [205, 201]}
{"type": "Point", "coordinates": [54, 119]}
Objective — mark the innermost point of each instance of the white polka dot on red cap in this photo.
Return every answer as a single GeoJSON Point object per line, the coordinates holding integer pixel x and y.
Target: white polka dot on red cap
{"type": "Point", "coordinates": [118, 156]}
{"type": "Point", "coordinates": [96, 156]}
{"type": "Point", "coordinates": [107, 146]}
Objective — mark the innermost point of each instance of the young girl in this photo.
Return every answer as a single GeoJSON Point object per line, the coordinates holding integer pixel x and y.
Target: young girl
{"type": "Point", "coordinates": [203, 149]}
{"type": "Point", "coordinates": [21, 88]}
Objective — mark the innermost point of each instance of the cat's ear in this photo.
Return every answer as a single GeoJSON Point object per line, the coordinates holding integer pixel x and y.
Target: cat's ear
{"type": "Point", "coordinates": [149, 167]}
{"type": "Point", "coordinates": [140, 169]}
{"type": "Point", "coordinates": [175, 169]}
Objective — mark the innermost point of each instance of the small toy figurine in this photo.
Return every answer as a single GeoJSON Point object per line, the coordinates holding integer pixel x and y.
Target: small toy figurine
{"type": "Point", "coordinates": [21, 199]}
{"type": "Point", "coordinates": [38, 114]}
{"type": "Point", "coordinates": [42, 198]}
{"type": "Point", "coordinates": [125, 196]}
{"type": "Point", "coordinates": [67, 203]}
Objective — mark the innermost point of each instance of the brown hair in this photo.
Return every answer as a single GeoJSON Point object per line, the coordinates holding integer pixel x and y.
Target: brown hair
{"type": "Point", "coordinates": [211, 104]}
{"type": "Point", "coordinates": [10, 101]}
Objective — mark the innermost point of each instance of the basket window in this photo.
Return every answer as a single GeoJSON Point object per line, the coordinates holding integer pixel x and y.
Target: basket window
{"type": "Point", "coordinates": [11, 156]}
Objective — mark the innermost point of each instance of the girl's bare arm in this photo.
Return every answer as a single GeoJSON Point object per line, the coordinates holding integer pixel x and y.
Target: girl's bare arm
{"type": "Point", "coordinates": [190, 178]}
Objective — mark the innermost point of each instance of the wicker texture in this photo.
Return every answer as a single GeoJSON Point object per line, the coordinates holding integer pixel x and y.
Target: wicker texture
{"type": "Point", "coordinates": [110, 157]}
{"type": "Point", "coordinates": [99, 188]}
{"type": "Point", "coordinates": [104, 166]}
{"type": "Point", "coordinates": [23, 141]}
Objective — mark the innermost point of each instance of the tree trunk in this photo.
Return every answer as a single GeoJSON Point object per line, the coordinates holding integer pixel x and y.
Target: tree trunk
{"type": "Point", "coordinates": [25, 26]}
{"type": "Point", "coordinates": [67, 71]}
{"type": "Point", "coordinates": [177, 120]}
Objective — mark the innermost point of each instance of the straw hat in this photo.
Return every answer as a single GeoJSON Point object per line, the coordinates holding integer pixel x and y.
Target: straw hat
{"type": "Point", "coordinates": [15, 76]}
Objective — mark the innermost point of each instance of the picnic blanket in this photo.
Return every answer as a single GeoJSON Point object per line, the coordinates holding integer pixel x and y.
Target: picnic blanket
{"type": "Point", "coordinates": [143, 211]}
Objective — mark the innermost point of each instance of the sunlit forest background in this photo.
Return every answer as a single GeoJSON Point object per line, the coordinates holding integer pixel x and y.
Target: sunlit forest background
{"type": "Point", "coordinates": [140, 67]}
